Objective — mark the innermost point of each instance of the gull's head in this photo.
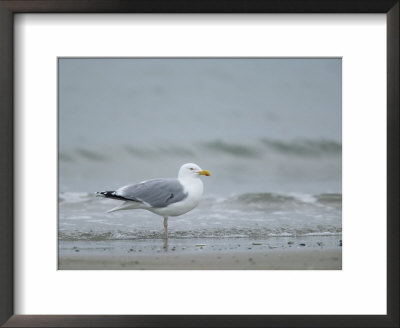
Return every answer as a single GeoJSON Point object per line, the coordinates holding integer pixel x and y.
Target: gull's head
{"type": "Point", "coordinates": [191, 170]}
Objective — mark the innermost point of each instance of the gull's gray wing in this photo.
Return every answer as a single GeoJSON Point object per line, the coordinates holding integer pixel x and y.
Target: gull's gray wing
{"type": "Point", "coordinates": [155, 192]}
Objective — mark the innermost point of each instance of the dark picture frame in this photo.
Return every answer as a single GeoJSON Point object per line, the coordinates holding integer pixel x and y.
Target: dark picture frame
{"type": "Point", "coordinates": [10, 7]}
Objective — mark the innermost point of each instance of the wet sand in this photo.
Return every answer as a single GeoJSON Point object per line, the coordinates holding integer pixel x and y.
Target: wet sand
{"type": "Point", "coordinates": [278, 260]}
{"type": "Point", "coordinates": [307, 253]}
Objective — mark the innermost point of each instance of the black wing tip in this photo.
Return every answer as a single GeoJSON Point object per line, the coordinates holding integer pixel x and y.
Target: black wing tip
{"type": "Point", "coordinates": [105, 193]}
{"type": "Point", "coordinates": [109, 194]}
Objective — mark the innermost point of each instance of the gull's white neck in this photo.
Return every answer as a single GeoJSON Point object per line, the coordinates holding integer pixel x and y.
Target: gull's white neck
{"type": "Point", "coordinates": [193, 185]}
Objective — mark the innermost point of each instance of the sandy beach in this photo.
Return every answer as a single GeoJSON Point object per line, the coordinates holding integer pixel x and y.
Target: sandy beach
{"type": "Point", "coordinates": [283, 253]}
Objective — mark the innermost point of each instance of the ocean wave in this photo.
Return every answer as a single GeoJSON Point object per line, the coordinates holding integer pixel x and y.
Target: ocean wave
{"type": "Point", "coordinates": [258, 149]}
{"type": "Point", "coordinates": [260, 198]}
{"type": "Point", "coordinates": [159, 151]}
{"type": "Point", "coordinates": [247, 198]}
{"type": "Point", "coordinates": [231, 149]}
{"type": "Point", "coordinates": [304, 147]}
{"type": "Point", "coordinates": [75, 197]}
{"type": "Point", "coordinates": [90, 154]}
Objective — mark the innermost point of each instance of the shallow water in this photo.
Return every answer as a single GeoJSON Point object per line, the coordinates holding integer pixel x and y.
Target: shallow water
{"type": "Point", "coordinates": [256, 215]}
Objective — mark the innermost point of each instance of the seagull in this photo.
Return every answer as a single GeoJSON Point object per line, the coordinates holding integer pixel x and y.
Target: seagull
{"type": "Point", "coordinates": [165, 197]}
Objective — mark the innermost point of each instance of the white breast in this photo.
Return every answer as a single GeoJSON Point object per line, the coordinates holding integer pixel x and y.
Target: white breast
{"type": "Point", "coordinates": [194, 189]}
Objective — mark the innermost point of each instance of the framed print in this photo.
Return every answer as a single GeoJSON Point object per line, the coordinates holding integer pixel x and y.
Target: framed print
{"type": "Point", "coordinates": [305, 104]}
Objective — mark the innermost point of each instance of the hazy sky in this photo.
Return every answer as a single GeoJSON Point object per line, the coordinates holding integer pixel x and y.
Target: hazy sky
{"type": "Point", "coordinates": [113, 101]}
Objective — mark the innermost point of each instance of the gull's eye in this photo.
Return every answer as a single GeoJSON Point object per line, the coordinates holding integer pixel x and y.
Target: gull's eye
{"type": "Point", "coordinates": [191, 169]}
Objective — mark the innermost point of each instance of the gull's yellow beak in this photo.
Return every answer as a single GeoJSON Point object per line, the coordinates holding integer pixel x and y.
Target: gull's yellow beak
{"type": "Point", "coordinates": [204, 172]}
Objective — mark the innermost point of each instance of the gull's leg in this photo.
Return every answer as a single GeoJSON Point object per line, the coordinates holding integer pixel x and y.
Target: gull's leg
{"type": "Point", "coordinates": [166, 227]}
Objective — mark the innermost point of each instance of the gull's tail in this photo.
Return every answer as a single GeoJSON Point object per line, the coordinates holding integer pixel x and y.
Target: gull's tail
{"type": "Point", "coordinates": [126, 205]}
